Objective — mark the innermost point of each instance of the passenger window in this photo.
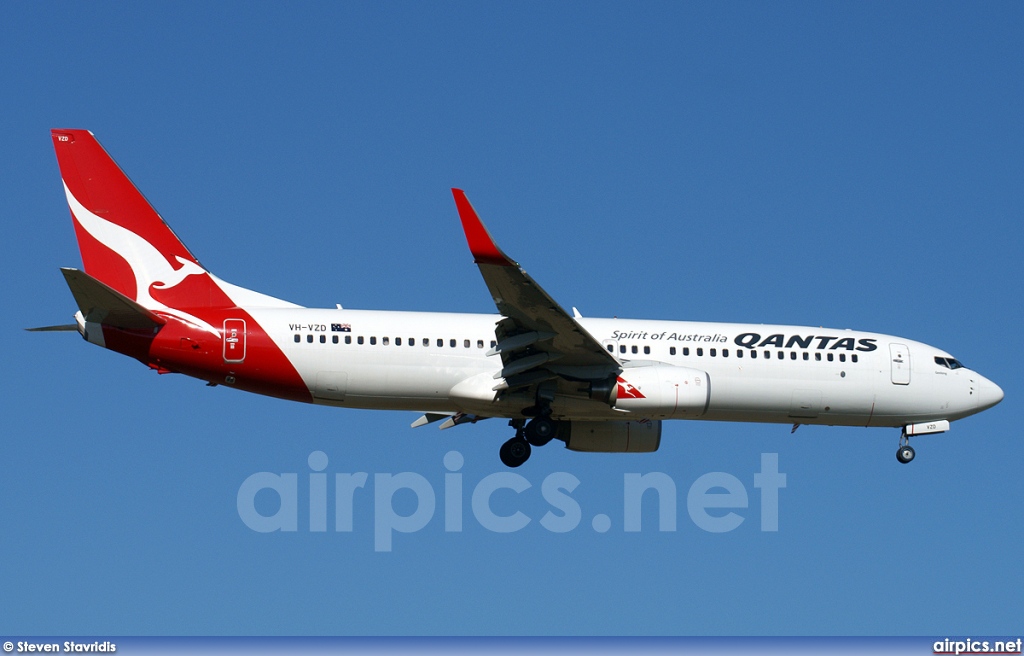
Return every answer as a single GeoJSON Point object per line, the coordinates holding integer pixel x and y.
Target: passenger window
{"type": "Point", "coordinates": [309, 339]}
{"type": "Point", "coordinates": [398, 341]}
{"type": "Point", "coordinates": [334, 338]}
{"type": "Point", "coordinates": [440, 343]}
{"type": "Point", "coordinates": [348, 339]}
{"type": "Point", "coordinates": [298, 339]}
{"type": "Point", "coordinates": [831, 357]}
{"type": "Point", "coordinates": [753, 354]}
{"type": "Point", "coordinates": [792, 355]}
{"type": "Point", "coordinates": [782, 355]}
{"type": "Point", "coordinates": [725, 353]}
{"type": "Point", "coordinates": [686, 350]}
{"type": "Point", "coordinates": [807, 356]}
{"type": "Point", "coordinates": [360, 339]}
{"type": "Point", "coordinates": [634, 349]}
{"type": "Point", "coordinates": [479, 343]}
{"type": "Point", "coordinates": [671, 350]}
{"type": "Point", "coordinates": [842, 357]}
{"type": "Point", "coordinates": [739, 353]}
{"type": "Point", "coordinates": [700, 351]}
{"type": "Point", "coordinates": [412, 341]}
{"type": "Point", "coordinates": [465, 343]}
{"type": "Point", "coordinates": [493, 343]}
{"type": "Point", "coordinates": [647, 350]}
{"type": "Point", "coordinates": [611, 349]}
{"type": "Point", "coordinates": [714, 352]}
{"type": "Point", "coordinates": [385, 341]}
{"type": "Point", "coordinates": [451, 343]}
{"type": "Point", "coordinates": [373, 341]}
{"type": "Point", "coordinates": [853, 357]}
{"type": "Point", "coordinates": [622, 348]}
{"type": "Point", "coordinates": [817, 356]}
{"type": "Point", "coordinates": [767, 355]}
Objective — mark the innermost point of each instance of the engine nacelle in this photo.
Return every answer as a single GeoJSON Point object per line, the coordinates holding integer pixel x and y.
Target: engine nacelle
{"type": "Point", "coordinates": [612, 436]}
{"type": "Point", "coordinates": [663, 391]}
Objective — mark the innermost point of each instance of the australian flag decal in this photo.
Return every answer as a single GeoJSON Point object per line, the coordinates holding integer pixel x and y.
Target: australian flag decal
{"type": "Point", "coordinates": [341, 328]}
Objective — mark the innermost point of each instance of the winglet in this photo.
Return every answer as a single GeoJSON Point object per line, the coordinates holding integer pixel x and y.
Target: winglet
{"type": "Point", "coordinates": [481, 244]}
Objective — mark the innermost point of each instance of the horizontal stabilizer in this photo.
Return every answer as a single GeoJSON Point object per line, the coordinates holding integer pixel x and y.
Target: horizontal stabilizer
{"type": "Point", "coordinates": [67, 327]}
{"type": "Point", "coordinates": [104, 305]}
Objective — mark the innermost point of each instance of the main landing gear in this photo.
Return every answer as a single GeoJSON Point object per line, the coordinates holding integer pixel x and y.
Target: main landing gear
{"type": "Point", "coordinates": [539, 431]}
{"type": "Point", "coordinates": [515, 452]}
{"type": "Point", "coordinates": [906, 452]}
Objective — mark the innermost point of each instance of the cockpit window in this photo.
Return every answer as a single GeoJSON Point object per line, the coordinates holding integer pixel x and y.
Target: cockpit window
{"type": "Point", "coordinates": [948, 363]}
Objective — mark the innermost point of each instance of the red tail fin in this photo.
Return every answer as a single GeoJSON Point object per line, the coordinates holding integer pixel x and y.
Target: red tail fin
{"type": "Point", "coordinates": [124, 242]}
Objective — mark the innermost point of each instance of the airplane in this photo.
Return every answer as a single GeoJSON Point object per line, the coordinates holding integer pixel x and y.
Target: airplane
{"type": "Point", "coordinates": [598, 385]}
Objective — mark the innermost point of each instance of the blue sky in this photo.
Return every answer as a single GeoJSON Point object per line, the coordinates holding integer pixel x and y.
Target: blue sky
{"type": "Point", "coordinates": [840, 164]}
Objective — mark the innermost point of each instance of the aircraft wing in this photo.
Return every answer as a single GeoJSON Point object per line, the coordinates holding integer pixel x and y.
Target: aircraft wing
{"type": "Point", "coordinates": [537, 335]}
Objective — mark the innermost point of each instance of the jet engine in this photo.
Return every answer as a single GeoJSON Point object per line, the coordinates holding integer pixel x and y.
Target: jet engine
{"type": "Point", "coordinates": [612, 436]}
{"type": "Point", "coordinates": [663, 391]}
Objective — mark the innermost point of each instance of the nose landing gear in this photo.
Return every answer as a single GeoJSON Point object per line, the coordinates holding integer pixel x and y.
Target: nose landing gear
{"type": "Point", "coordinates": [906, 452]}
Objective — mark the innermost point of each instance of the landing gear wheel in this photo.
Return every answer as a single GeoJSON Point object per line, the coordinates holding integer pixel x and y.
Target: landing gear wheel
{"type": "Point", "coordinates": [540, 430]}
{"type": "Point", "coordinates": [905, 453]}
{"type": "Point", "coordinates": [514, 452]}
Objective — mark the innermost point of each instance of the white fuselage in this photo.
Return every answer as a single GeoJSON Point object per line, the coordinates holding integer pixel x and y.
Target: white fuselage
{"type": "Point", "coordinates": [789, 374]}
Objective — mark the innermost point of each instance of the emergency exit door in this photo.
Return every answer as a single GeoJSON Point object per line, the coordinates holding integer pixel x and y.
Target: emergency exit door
{"type": "Point", "coordinates": [900, 357]}
{"type": "Point", "coordinates": [234, 340]}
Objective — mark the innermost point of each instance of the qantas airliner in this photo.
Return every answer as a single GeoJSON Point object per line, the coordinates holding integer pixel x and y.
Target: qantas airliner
{"type": "Point", "coordinates": [601, 385]}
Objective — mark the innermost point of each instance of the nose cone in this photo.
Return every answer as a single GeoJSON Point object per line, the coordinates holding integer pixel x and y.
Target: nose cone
{"type": "Point", "coordinates": [989, 394]}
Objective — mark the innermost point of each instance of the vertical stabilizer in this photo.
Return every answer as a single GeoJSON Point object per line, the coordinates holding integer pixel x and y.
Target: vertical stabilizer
{"type": "Point", "coordinates": [124, 242]}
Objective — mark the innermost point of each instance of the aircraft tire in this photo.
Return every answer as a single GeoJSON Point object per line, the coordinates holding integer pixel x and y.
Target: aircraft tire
{"type": "Point", "coordinates": [514, 452]}
{"type": "Point", "coordinates": [905, 453]}
{"type": "Point", "coordinates": [540, 430]}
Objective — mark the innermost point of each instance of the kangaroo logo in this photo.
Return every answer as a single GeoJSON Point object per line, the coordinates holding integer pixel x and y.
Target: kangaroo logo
{"type": "Point", "coordinates": [150, 267]}
{"type": "Point", "coordinates": [627, 390]}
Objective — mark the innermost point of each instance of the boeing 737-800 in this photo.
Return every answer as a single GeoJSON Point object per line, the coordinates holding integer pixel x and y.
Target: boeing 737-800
{"type": "Point", "coordinates": [595, 384]}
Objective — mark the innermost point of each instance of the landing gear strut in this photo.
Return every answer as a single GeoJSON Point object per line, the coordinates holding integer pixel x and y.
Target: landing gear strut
{"type": "Point", "coordinates": [537, 432]}
{"type": "Point", "coordinates": [906, 452]}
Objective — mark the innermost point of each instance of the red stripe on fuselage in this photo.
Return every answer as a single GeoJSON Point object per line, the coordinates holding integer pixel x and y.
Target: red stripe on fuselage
{"type": "Point", "coordinates": [189, 350]}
